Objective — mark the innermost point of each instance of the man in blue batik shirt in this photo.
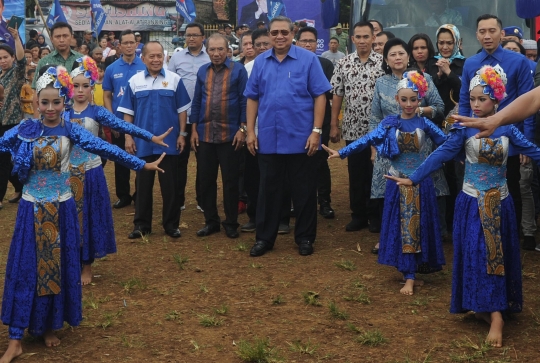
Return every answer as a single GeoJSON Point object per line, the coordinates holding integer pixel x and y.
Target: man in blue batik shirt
{"type": "Point", "coordinates": [519, 81]}
{"type": "Point", "coordinates": [156, 100]}
{"type": "Point", "coordinates": [287, 91]}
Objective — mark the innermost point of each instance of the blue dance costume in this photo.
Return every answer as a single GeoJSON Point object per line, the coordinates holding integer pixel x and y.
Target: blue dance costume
{"type": "Point", "coordinates": [42, 286]}
{"type": "Point", "coordinates": [410, 234]}
{"type": "Point", "coordinates": [487, 266]}
{"type": "Point", "coordinates": [89, 185]}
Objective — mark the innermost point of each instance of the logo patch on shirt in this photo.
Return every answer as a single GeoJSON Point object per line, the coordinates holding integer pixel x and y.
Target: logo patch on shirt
{"type": "Point", "coordinates": [121, 93]}
{"type": "Point", "coordinates": [165, 83]}
{"type": "Point", "coordinates": [118, 75]}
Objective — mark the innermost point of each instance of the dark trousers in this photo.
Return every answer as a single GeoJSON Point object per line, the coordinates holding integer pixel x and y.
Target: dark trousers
{"type": "Point", "coordinates": [183, 165]}
{"type": "Point", "coordinates": [211, 157]}
{"type": "Point", "coordinates": [168, 182]}
{"type": "Point", "coordinates": [121, 173]}
{"type": "Point", "coordinates": [6, 166]}
{"type": "Point", "coordinates": [513, 175]}
{"type": "Point", "coordinates": [300, 173]}
{"type": "Point", "coordinates": [360, 173]}
{"type": "Point", "coordinates": [251, 183]}
{"type": "Point", "coordinates": [324, 180]}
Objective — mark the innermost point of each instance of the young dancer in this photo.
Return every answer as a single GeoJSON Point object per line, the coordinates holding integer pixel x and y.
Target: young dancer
{"type": "Point", "coordinates": [410, 234]}
{"type": "Point", "coordinates": [42, 287]}
{"type": "Point", "coordinates": [88, 180]}
{"type": "Point", "coordinates": [487, 267]}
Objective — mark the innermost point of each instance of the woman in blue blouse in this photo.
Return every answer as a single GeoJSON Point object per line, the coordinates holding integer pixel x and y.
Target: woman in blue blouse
{"type": "Point", "coordinates": [42, 288]}
{"type": "Point", "coordinates": [396, 56]}
{"type": "Point", "coordinates": [410, 233]}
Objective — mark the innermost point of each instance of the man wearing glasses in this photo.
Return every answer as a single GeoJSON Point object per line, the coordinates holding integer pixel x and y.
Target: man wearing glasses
{"type": "Point", "coordinates": [186, 64]}
{"type": "Point", "coordinates": [115, 82]}
{"type": "Point", "coordinates": [287, 91]}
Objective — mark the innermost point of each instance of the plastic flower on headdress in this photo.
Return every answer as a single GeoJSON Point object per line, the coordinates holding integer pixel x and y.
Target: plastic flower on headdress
{"type": "Point", "coordinates": [493, 80]}
{"type": "Point", "coordinates": [414, 81]}
{"type": "Point", "coordinates": [88, 68]}
{"type": "Point", "coordinates": [60, 79]}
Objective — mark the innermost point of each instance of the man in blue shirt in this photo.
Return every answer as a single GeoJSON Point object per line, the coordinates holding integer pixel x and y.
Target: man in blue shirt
{"type": "Point", "coordinates": [519, 81]}
{"type": "Point", "coordinates": [115, 82]}
{"type": "Point", "coordinates": [218, 114]}
{"type": "Point", "coordinates": [287, 90]}
{"type": "Point", "coordinates": [156, 100]}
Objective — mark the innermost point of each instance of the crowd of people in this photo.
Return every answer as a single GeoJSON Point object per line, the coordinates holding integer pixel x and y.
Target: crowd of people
{"type": "Point", "coordinates": [259, 111]}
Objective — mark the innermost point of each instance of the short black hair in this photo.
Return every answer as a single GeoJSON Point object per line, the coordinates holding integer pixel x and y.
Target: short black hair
{"type": "Point", "coordinates": [101, 66]}
{"type": "Point", "coordinates": [59, 25]}
{"type": "Point", "coordinates": [389, 35]}
{"type": "Point", "coordinates": [521, 48]}
{"type": "Point", "coordinates": [333, 38]}
{"type": "Point", "coordinates": [362, 24]}
{"type": "Point", "coordinates": [41, 50]}
{"type": "Point", "coordinates": [389, 44]}
{"type": "Point", "coordinates": [302, 24]}
{"type": "Point", "coordinates": [487, 17]}
{"type": "Point", "coordinates": [378, 22]}
{"type": "Point", "coordinates": [30, 71]}
{"type": "Point", "coordinates": [124, 33]}
{"type": "Point", "coordinates": [8, 49]}
{"type": "Point", "coordinates": [257, 33]}
{"type": "Point", "coordinates": [33, 33]}
{"type": "Point", "coordinates": [307, 29]}
{"type": "Point", "coordinates": [429, 44]}
{"type": "Point", "coordinates": [32, 45]}
{"type": "Point", "coordinates": [195, 25]}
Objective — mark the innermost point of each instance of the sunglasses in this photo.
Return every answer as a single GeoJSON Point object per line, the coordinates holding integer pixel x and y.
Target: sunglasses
{"type": "Point", "coordinates": [275, 33]}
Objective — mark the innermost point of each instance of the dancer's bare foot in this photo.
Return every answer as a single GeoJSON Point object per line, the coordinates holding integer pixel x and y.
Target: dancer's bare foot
{"type": "Point", "coordinates": [483, 316]}
{"type": "Point", "coordinates": [51, 340]}
{"type": "Point", "coordinates": [496, 322]}
{"type": "Point", "coordinates": [408, 289]}
{"type": "Point", "coordinates": [14, 350]}
{"type": "Point", "coordinates": [86, 274]}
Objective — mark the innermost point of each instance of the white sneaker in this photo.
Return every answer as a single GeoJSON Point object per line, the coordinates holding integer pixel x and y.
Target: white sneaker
{"type": "Point", "coordinates": [537, 247]}
{"type": "Point", "coordinates": [183, 207]}
{"type": "Point", "coordinates": [199, 208]}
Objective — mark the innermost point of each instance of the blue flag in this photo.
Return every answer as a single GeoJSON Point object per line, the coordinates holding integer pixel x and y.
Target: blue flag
{"type": "Point", "coordinates": [56, 14]}
{"type": "Point", "coordinates": [330, 13]}
{"type": "Point", "coordinates": [186, 8]}
{"type": "Point", "coordinates": [98, 17]}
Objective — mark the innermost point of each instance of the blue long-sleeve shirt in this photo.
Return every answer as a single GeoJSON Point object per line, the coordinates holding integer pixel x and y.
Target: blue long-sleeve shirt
{"type": "Point", "coordinates": [519, 81]}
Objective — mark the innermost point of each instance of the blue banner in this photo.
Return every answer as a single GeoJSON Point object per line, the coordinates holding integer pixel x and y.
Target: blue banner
{"type": "Point", "coordinates": [186, 8]}
{"type": "Point", "coordinates": [56, 14]}
{"type": "Point", "coordinates": [330, 13]}
{"type": "Point", "coordinates": [251, 12]}
{"type": "Point", "coordinates": [98, 17]}
{"type": "Point", "coordinates": [10, 8]}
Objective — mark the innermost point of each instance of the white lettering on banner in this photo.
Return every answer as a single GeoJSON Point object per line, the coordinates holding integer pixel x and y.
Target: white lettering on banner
{"type": "Point", "coordinates": [320, 43]}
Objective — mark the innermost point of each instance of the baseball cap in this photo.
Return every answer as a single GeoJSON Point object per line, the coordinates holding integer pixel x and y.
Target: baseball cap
{"type": "Point", "coordinates": [227, 26]}
{"type": "Point", "coordinates": [513, 31]}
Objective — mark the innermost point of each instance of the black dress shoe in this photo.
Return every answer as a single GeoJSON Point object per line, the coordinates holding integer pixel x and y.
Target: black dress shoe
{"type": "Point", "coordinates": [374, 226]}
{"type": "Point", "coordinates": [207, 230]}
{"type": "Point", "coordinates": [355, 225]}
{"type": "Point", "coordinates": [259, 249]}
{"type": "Point", "coordinates": [16, 199]}
{"type": "Point", "coordinates": [121, 203]}
{"type": "Point", "coordinates": [138, 233]}
{"type": "Point", "coordinates": [231, 232]}
{"type": "Point", "coordinates": [174, 233]}
{"type": "Point", "coordinates": [529, 243]}
{"type": "Point", "coordinates": [305, 248]}
{"type": "Point", "coordinates": [326, 211]}
{"type": "Point", "coordinates": [249, 227]}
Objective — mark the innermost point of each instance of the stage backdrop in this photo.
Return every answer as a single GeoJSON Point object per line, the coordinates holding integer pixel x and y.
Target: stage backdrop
{"type": "Point", "coordinates": [12, 7]}
{"type": "Point", "coordinates": [251, 11]}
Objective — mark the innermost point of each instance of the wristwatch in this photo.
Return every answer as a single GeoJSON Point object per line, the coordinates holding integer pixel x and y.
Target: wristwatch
{"type": "Point", "coordinates": [183, 133]}
{"type": "Point", "coordinates": [317, 130]}
{"type": "Point", "coordinates": [243, 129]}
{"type": "Point", "coordinates": [420, 111]}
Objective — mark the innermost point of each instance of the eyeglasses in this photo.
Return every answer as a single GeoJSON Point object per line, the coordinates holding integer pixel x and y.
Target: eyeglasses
{"type": "Point", "coordinates": [442, 43]}
{"type": "Point", "coordinates": [307, 41]}
{"type": "Point", "coordinates": [275, 33]}
{"type": "Point", "coordinates": [194, 36]}
{"type": "Point", "coordinates": [262, 44]}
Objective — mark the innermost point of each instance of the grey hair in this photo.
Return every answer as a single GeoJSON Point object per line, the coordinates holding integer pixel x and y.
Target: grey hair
{"type": "Point", "coordinates": [95, 49]}
{"type": "Point", "coordinates": [218, 36]}
{"type": "Point", "coordinates": [282, 18]}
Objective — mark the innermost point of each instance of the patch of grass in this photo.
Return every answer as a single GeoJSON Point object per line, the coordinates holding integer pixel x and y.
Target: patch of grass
{"type": "Point", "coordinates": [408, 359]}
{"type": "Point", "coordinates": [346, 265]}
{"type": "Point", "coordinates": [196, 346]}
{"type": "Point", "coordinates": [311, 298]}
{"type": "Point", "coordinates": [362, 298]}
{"type": "Point", "coordinates": [209, 320]}
{"type": "Point", "coordinates": [203, 288]}
{"type": "Point", "coordinates": [130, 342]}
{"type": "Point", "coordinates": [422, 300]}
{"type": "Point", "coordinates": [180, 261]}
{"type": "Point", "coordinates": [132, 284]}
{"type": "Point", "coordinates": [358, 285]}
{"type": "Point", "coordinates": [93, 303]}
{"type": "Point", "coordinates": [303, 348]}
{"type": "Point", "coordinates": [474, 350]}
{"type": "Point", "coordinates": [257, 288]}
{"type": "Point", "coordinates": [222, 310]}
{"type": "Point", "coordinates": [109, 319]}
{"type": "Point", "coordinates": [241, 246]}
{"type": "Point", "coordinates": [255, 265]}
{"type": "Point", "coordinates": [277, 300]}
{"type": "Point", "coordinates": [354, 328]}
{"type": "Point", "coordinates": [258, 351]}
{"type": "Point", "coordinates": [172, 315]}
{"type": "Point", "coordinates": [371, 338]}
{"type": "Point", "coordinates": [336, 313]}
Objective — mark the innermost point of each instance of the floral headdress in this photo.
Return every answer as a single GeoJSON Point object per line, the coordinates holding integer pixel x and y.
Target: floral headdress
{"type": "Point", "coordinates": [87, 68]}
{"type": "Point", "coordinates": [60, 79]}
{"type": "Point", "coordinates": [493, 80]}
{"type": "Point", "coordinates": [414, 81]}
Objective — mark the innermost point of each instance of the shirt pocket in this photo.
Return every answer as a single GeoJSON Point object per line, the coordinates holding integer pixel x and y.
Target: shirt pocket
{"type": "Point", "coordinates": [142, 94]}
{"type": "Point", "coordinates": [166, 93]}
{"type": "Point", "coordinates": [297, 86]}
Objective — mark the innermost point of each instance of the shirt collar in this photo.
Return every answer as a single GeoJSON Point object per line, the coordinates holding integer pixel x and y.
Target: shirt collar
{"type": "Point", "coordinates": [371, 58]}
{"type": "Point", "coordinates": [147, 74]}
{"type": "Point", "coordinates": [291, 53]}
{"type": "Point", "coordinates": [497, 54]}
{"type": "Point", "coordinates": [71, 52]}
{"type": "Point", "coordinates": [135, 60]}
{"type": "Point", "coordinates": [203, 50]}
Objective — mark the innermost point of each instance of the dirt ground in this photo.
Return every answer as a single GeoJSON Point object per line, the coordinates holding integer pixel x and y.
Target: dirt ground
{"type": "Point", "coordinates": [203, 299]}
